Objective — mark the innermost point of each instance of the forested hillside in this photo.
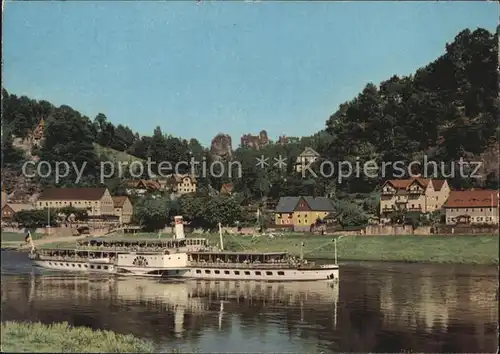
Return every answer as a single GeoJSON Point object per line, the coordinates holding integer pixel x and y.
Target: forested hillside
{"type": "Point", "coordinates": [445, 110]}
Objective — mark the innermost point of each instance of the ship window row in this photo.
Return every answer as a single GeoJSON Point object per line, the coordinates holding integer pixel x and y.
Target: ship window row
{"type": "Point", "coordinates": [237, 272]}
{"type": "Point", "coordinates": [73, 265]}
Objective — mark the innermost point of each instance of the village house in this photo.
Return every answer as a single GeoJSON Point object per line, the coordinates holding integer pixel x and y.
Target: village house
{"type": "Point", "coordinates": [141, 186]}
{"type": "Point", "coordinates": [308, 156]}
{"type": "Point", "coordinates": [96, 201]}
{"type": "Point", "coordinates": [472, 207]}
{"type": "Point", "coordinates": [123, 209]}
{"type": "Point", "coordinates": [414, 194]}
{"type": "Point", "coordinates": [302, 212]}
{"type": "Point", "coordinates": [181, 184]}
{"type": "Point", "coordinates": [226, 189]}
{"type": "Point", "coordinates": [9, 210]}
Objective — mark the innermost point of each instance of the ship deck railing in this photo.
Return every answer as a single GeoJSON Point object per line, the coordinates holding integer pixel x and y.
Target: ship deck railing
{"type": "Point", "coordinates": [254, 265]}
{"type": "Point", "coordinates": [67, 258]}
{"type": "Point", "coordinates": [134, 249]}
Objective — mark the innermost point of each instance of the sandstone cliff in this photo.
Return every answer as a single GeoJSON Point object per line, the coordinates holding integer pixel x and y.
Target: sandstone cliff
{"type": "Point", "coordinates": [221, 147]}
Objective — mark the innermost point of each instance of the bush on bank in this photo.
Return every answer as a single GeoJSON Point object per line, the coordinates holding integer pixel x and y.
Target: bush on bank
{"type": "Point", "coordinates": [24, 337]}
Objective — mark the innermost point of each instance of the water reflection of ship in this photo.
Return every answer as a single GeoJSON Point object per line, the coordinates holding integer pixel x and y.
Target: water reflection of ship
{"type": "Point", "coordinates": [286, 294]}
{"type": "Point", "coordinates": [173, 296]}
{"type": "Point", "coordinates": [195, 296]}
{"type": "Point", "coordinates": [270, 296]}
{"type": "Point", "coordinates": [198, 299]}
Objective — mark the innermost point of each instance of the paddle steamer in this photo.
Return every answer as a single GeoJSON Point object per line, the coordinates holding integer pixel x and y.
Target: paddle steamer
{"type": "Point", "coordinates": [180, 257]}
{"type": "Point", "coordinates": [124, 256]}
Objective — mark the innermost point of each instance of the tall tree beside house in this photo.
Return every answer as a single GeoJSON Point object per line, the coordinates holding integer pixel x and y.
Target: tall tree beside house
{"type": "Point", "coordinates": [350, 214]}
{"type": "Point", "coordinates": [154, 214]}
{"type": "Point", "coordinates": [68, 137]}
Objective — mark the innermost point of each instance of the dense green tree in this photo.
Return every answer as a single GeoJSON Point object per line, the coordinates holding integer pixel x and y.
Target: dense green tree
{"type": "Point", "coordinates": [68, 139]}
{"type": "Point", "coordinates": [11, 155]}
{"type": "Point", "coordinates": [154, 213]}
{"type": "Point", "coordinates": [349, 214]}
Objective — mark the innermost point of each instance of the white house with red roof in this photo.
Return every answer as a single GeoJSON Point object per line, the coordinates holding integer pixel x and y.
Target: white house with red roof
{"type": "Point", "coordinates": [478, 206]}
{"type": "Point", "coordinates": [413, 194]}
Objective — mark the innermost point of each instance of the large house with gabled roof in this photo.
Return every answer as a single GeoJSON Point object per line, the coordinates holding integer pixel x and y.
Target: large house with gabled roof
{"type": "Point", "coordinates": [420, 195]}
{"type": "Point", "coordinates": [472, 207]}
{"type": "Point", "coordinates": [302, 212]}
{"type": "Point", "coordinates": [96, 201]}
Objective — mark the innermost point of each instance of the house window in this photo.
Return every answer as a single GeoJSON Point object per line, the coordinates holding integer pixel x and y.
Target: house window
{"type": "Point", "coordinates": [236, 272]}
{"type": "Point", "coordinates": [269, 273]}
{"type": "Point", "coordinates": [207, 271]}
{"type": "Point", "coordinates": [247, 272]}
{"type": "Point", "coordinates": [257, 273]}
{"type": "Point", "coordinates": [198, 271]}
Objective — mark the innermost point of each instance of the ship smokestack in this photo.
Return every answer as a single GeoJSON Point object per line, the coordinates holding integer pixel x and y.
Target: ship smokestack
{"type": "Point", "coordinates": [179, 228]}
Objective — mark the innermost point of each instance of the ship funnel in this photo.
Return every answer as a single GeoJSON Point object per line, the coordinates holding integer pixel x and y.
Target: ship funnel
{"type": "Point", "coordinates": [179, 228]}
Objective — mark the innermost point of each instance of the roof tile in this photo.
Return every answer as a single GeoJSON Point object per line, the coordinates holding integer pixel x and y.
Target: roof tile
{"type": "Point", "coordinates": [72, 194]}
{"type": "Point", "coordinates": [119, 201]}
{"type": "Point", "coordinates": [472, 199]}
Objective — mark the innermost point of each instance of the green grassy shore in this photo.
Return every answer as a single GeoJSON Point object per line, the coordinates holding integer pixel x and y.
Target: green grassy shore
{"type": "Point", "coordinates": [15, 239]}
{"type": "Point", "coordinates": [453, 249]}
{"type": "Point", "coordinates": [27, 337]}
{"type": "Point", "coordinates": [457, 249]}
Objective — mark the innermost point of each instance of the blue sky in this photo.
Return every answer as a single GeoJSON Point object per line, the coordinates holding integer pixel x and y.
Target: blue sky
{"type": "Point", "coordinates": [197, 69]}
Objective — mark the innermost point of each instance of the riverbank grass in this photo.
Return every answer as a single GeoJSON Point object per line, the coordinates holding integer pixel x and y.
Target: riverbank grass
{"type": "Point", "coordinates": [15, 239]}
{"type": "Point", "coordinates": [24, 337]}
{"type": "Point", "coordinates": [456, 249]}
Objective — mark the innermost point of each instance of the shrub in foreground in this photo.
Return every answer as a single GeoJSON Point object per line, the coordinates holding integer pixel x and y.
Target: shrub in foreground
{"type": "Point", "coordinates": [61, 338]}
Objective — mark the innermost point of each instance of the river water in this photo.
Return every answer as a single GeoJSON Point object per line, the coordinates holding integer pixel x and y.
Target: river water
{"type": "Point", "coordinates": [375, 307]}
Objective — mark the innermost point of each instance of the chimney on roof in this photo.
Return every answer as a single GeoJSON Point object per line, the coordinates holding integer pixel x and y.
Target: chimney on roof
{"type": "Point", "coordinates": [179, 228]}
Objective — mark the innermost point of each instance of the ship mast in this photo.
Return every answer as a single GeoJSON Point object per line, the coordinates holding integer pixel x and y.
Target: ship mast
{"type": "Point", "coordinates": [220, 236]}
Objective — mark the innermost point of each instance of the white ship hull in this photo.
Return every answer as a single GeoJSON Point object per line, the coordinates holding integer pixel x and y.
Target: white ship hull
{"type": "Point", "coordinates": [94, 266]}
{"type": "Point", "coordinates": [320, 273]}
{"type": "Point", "coordinates": [68, 266]}
{"type": "Point", "coordinates": [328, 273]}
